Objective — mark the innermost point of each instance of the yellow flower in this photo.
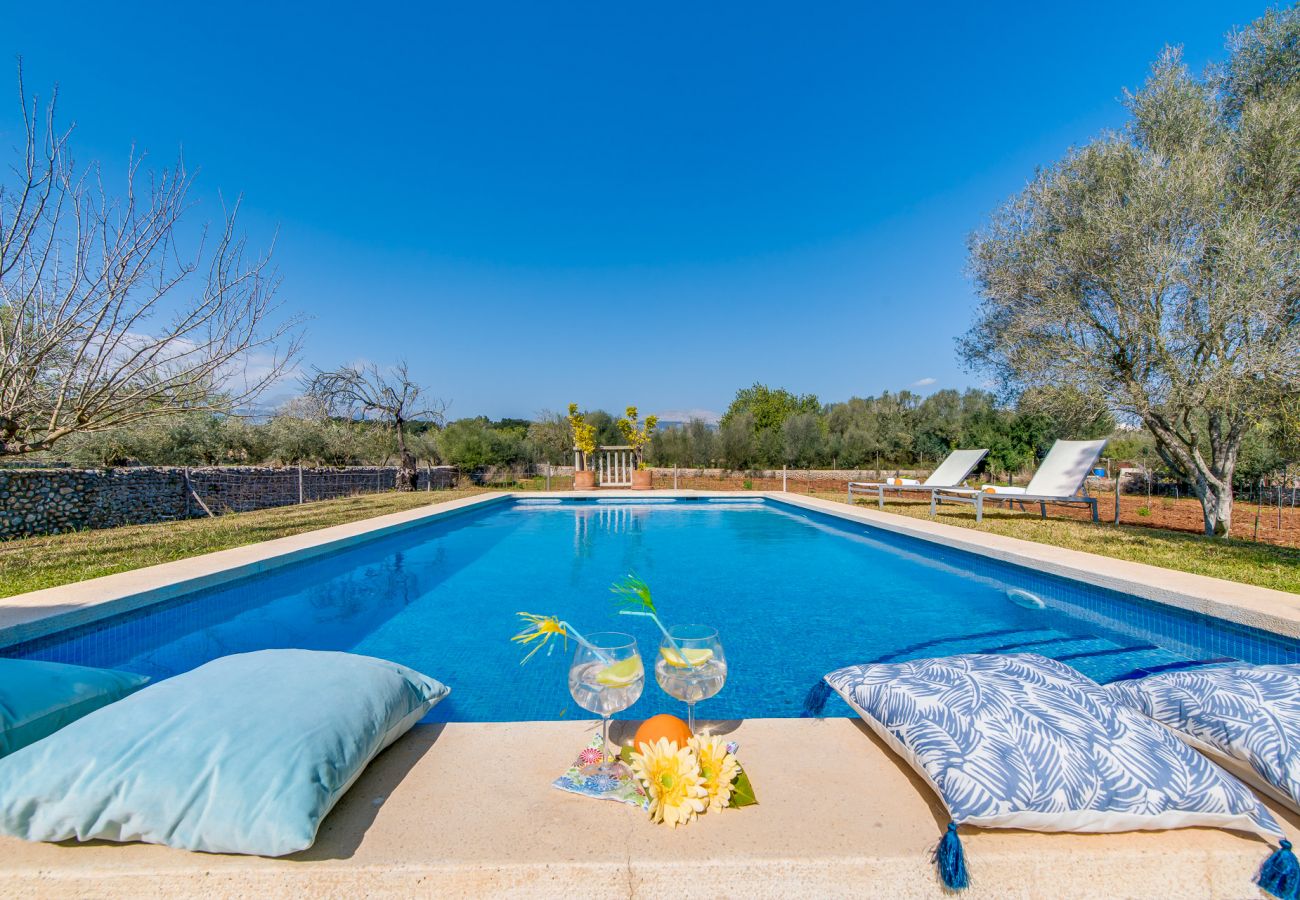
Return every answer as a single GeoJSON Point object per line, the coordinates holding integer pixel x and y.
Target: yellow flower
{"type": "Point", "coordinates": [540, 629]}
{"type": "Point", "coordinates": [671, 777]}
{"type": "Point", "coordinates": [718, 768]}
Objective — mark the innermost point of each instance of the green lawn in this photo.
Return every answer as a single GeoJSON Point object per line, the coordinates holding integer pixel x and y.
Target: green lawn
{"type": "Point", "coordinates": [1265, 565]}
{"type": "Point", "coordinates": [40, 562]}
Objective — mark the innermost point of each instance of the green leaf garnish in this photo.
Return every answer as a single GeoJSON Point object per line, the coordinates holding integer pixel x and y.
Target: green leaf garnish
{"type": "Point", "coordinates": [742, 792]}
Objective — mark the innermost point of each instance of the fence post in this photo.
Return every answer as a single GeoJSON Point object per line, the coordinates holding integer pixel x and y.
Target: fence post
{"type": "Point", "coordinates": [675, 480]}
{"type": "Point", "coordinates": [1259, 504]}
{"type": "Point", "coordinates": [783, 474]}
{"type": "Point", "coordinates": [1117, 480]}
{"type": "Point", "coordinates": [548, 476]}
{"type": "Point", "coordinates": [300, 483]}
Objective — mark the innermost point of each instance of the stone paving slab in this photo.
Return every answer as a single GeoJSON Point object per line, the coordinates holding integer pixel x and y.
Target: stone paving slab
{"type": "Point", "coordinates": [466, 810]}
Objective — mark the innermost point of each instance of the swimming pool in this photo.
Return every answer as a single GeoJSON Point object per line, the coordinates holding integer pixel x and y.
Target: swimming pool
{"type": "Point", "coordinates": [793, 593]}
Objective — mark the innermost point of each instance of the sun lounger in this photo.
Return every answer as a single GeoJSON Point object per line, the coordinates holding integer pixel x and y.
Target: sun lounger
{"type": "Point", "coordinates": [950, 474]}
{"type": "Point", "coordinates": [1058, 480]}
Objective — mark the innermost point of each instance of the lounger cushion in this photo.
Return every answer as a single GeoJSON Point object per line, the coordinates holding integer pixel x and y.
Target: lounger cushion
{"type": "Point", "coordinates": [38, 698]}
{"type": "Point", "coordinates": [1023, 741]}
{"type": "Point", "coordinates": [245, 754]}
{"type": "Point", "coordinates": [1002, 489]}
{"type": "Point", "coordinates": [1246, 717]}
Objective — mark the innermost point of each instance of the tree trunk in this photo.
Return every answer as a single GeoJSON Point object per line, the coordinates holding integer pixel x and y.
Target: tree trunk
{"type": "Point", "coordinates": [1211, 480]}
{"type": "Point", "coordinates": [406, 471]}
{"type": "Point", "coordinates": [1216, 504]}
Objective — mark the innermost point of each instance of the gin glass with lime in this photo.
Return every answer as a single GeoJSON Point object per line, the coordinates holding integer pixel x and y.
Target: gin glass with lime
{"type": "Point", "coordinates": [605, 677]}
{"type": "Point", "coordinates": [691, 666]}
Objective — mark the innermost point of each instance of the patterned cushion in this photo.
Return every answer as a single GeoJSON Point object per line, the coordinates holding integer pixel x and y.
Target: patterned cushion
{"type": "Point", "coordinates": [1248, 717]}
{"type": "Point", "coordinates": [1022, 741]}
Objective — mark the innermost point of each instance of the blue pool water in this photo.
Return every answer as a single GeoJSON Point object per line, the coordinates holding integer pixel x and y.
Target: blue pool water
{"type": "Point", "coordinates": [792, 593]}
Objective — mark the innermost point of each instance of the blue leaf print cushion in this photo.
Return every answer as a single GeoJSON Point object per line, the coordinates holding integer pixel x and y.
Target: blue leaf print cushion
{"type": "Point", "coordinates": [1023, 741]}
{"type": "Point", "coordinates": [1248, 717]}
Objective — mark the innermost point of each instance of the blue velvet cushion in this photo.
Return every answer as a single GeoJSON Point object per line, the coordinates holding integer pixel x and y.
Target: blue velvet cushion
{"type": "Point", "coordinates": [1023, 741]}
{"type": "Point", "coordinates": [38, 698]}
{"type": "Point", "coordinates": [1246, 717]}
{"type": "Point", "coordinates": [245, 754]}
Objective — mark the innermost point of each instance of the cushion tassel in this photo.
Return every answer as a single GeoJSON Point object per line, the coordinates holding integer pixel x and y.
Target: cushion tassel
{"type": "Point", "coordinates": [951, 860]}
{"type": "Point", "coordinates": [1280, 874]}
{"type": "Point", "coordinates": [815, 701]}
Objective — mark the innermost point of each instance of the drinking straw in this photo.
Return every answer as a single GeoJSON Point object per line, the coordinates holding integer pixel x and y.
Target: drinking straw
{"type": "Point", "coordinates": [540, 628]}
{"type": "Point", "coordinates": [635, 592]}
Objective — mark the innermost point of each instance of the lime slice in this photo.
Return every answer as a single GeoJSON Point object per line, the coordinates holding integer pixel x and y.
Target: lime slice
{"type": "Point", "coordinates": [695, 656]}
{"type": "Point", "coordinates": [621, 673]}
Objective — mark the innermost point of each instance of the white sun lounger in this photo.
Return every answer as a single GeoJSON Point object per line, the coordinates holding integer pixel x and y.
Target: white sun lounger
{"type": "Point", "coordinates": [950, 474]}
{"type": "Point", "coordinates": [1058, 480]}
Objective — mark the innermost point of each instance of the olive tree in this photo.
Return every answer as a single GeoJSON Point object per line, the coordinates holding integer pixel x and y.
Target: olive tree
{"type": "Point", "coordinates": [106, 318]}
{"type": "Point", "coordinates": [1156, 271]}
{"type": "Point", "coordinates": [390, 396]}
{"type": "Point", "coordinates": [551, 439]}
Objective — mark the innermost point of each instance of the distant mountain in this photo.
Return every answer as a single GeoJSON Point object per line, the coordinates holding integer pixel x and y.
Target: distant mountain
{"type": "Point", "coordinates": [670, 418]}
{"type": "Point", "coordinates": [681, 423]}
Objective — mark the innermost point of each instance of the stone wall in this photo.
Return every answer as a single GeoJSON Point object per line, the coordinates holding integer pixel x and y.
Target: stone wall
{"type": "Point", "coordinates": [47, 501]}
{"type": "Point", "coordinates": [44, 501]}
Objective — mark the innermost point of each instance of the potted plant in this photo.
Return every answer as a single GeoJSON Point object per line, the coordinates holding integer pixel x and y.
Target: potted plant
{"type": "Point", "coordinates": [638, 435]}
{"type": "Point", "coordinates": [584, 444]}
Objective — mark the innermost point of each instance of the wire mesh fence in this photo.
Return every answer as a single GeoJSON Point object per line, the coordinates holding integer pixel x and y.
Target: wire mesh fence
{"type": "Point", "coordinates": [48, 500]}
{"type": "Point", "coordinates": [1268, 511]}
{"type": "Point", "coordinates": [215, 491]}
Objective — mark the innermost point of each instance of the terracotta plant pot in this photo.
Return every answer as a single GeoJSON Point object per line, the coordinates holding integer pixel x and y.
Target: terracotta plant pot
{"type": "Point", "coordinates": [640, 479]}
{"type": "Point", "coordinates": [585, 480]}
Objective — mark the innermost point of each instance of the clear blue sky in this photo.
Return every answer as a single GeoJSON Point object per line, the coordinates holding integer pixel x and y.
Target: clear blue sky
{"type": "Point", "coordinates": [611, 203]}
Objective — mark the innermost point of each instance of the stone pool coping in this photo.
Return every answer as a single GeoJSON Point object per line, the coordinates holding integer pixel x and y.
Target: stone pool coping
{"type": "Point", "coordinates": [24, 617]}
{"type": "Point", "coordinates": [466, 810]}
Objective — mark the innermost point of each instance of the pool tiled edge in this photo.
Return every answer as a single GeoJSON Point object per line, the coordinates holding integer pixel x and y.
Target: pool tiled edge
{"type": "Point", "coordinates": [33, 615]}
{"type": "Point", "coordinates": [1256, 607]}
{"type": "Point", "coordinates": [25, 617]}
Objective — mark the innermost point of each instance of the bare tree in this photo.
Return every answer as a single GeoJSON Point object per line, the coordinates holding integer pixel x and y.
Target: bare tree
{"type": "Point", "coordinates": [392, 397]}
{"type": "Point", "coordinates": [1157, 271]}
{"type": "Point", "coordinates": [104, 319]}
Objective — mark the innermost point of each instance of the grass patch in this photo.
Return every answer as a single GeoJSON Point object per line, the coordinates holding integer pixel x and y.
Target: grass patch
{"type": "Point", "coordinates": [29, 564]}
{"type": "Point", "coordinates": [1263, 565]}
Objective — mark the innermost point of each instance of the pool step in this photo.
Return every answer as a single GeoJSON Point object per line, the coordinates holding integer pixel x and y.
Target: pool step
{"type": "Point", "coordinates": [1099, 658]}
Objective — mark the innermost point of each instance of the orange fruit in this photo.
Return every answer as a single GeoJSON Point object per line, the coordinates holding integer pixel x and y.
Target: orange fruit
{"type": "Point", "coordinates": [662, 726]}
